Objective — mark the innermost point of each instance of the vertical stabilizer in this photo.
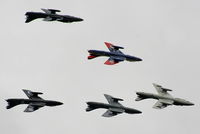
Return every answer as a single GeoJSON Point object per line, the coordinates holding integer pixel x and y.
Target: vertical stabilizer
{"type": "Point", "coordinates": [12, 103]}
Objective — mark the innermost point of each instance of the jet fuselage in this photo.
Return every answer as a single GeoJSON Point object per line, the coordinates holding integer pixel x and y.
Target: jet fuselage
{"type": "Point", "coordinates": [54, 17]}
{"type": "Point", "coordinates": [176, 101]}
{"type": "Point", "coordinates": [115, 54]}
{"type": "Point", "coordinates": [96, 105]}
{"type": "Point", "coordinates": [28, 101]}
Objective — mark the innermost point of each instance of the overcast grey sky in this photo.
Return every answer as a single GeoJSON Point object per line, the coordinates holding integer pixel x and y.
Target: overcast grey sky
{"type": "Point", "coordinates": [51, 57]}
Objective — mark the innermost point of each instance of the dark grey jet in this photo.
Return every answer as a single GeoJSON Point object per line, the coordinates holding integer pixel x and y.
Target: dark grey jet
{"type": "Point", "coordinates": [114, 107]}
{"type": "Point", "coordinates": [51, 15]}
{"type": "Point", "coordinates": [163, 97]}
{"type": "Point", "coordinates": [34, 102]}
{"type": "Point", "coordinates": [115, 55]}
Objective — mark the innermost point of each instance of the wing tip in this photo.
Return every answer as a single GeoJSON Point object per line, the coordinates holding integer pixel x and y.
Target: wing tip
{"type": "Point", "coordinates": [109, 45]}
{"type": "Point", "coordinates": [110, 62]}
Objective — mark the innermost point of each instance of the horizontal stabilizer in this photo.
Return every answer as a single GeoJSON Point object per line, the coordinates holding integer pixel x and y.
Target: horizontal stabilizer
{"type": "Point", "coordinates": [92, 57]}
{"type": "Point", "coordinates": [12, 103]}
{"type": "Point", "coordinates": [30, 17]}
{"type": "Point", "coordinates": [88, 109]}
{"type": "Point", "coordinates": [139, 98]}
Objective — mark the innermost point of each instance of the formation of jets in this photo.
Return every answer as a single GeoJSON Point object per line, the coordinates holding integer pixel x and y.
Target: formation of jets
{"type": "Point", "coordinates": [113, 107]}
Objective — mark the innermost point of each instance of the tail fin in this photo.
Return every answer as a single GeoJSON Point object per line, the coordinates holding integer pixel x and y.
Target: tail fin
{"type": "Point", "coordinates": [30, 17]}
{"type": "Point", "coordinates": [12, 103]}
{"type": "Point", "coordinates": [91, 56]}
{"type": "Point", "coordinates": [139, 98]}
{"type": "Point", "coordinates": [89, 107]}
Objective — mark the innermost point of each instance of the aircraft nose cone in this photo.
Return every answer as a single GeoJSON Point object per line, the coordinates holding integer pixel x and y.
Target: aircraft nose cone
{"type": "Point", "coordinates": [138, 112]}
{"type": "Point", "coordinates": [79, 19]}
{"type": "Point", "coordinates": [190, 103]}
{"type": "Point", "coordinates": [91, 51]}
{"type": "Point", "coordinates": [139, 93]}
{"type": "Point", "coordinates": [59, 103]}
{"type": "Point", "coordinates": [138, 59]}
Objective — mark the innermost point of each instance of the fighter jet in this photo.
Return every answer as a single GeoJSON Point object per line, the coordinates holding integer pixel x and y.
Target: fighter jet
{"type": "Point", "coordinates": [50, 15]}
{"type": "Point", "coordinates": [115, 55]}
{"type": "Point", "coordinates": [163, 97]}
{"type": "Point", "coordinates": [114, 107]}
{"type": "Point", "coordinates": [34, 102]}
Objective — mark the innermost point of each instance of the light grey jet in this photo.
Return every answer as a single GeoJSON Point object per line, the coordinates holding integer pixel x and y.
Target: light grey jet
{"type": "Point", "coordinates": [34, 101]}
{"type": "Point", "coordinates": [114, 107]}
{"type": "Point", "coordinates": [163, 97]}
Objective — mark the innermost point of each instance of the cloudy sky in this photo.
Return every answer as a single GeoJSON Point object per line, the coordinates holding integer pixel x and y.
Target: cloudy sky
{"type": "Point", "coordinates": [51, 57]}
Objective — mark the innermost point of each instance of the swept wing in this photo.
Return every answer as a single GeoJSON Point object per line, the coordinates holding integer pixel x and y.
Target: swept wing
{"type": "Point", "coordinates": [112, 112]}
{"type": "Point", "coordinates": [113, 48]}
{"type": "Point", "coordinates": [33, 107]}
{"type": "Point", "coordinates": [113, 100]}
{"type": "Point", "coordinates": [161, 90]}
{"type": "Point", "coordinates": [114, 60]}
{"type": "Point", "coordinates": [162, 103]}
{"type": "Point", "coordinates": [32, 95]}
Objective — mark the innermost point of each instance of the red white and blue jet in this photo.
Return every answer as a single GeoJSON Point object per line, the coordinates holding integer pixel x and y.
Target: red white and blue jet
{"type": "Point", "coordinates": [115, 55]}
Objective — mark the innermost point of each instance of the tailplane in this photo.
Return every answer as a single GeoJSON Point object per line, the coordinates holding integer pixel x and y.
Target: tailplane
{"type": "Point", "coordinates": [89, 109]}
{"type": "Point", "coordinates": [139, 98]}
{"type": "Point", "coordinates": [90, 106]}
{"type": "Point", "coordinates": [91, 56]}
{"type": "Point", "coordinates": [12, 103]}
{"type": "Point", "coordinates": [30, 17]}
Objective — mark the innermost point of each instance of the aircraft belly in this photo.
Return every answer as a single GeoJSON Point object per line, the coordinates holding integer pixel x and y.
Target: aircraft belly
{"type": "Point", "coordinates": [180, 103]}
{"type": "Point", "coordinates": [131, 110]}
